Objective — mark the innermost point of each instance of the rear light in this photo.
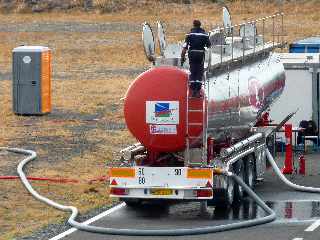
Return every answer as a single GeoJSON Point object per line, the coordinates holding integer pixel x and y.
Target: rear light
{"type": "Point", "coordinates": [209, 185]}
{"type": "Point", "coordinates": [114, 182]}
{"type": "Point", "coordinates": [119, 191]}
{"type": "Point", "coordinates": [204, 193]}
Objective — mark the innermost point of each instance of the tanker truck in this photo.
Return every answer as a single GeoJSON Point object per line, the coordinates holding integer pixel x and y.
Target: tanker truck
{"type": "Point", "coordinates": [182, 141]}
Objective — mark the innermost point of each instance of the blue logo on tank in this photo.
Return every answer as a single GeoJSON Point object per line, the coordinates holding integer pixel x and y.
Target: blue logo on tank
{"type": "Point", "coordinates": [162, 110]}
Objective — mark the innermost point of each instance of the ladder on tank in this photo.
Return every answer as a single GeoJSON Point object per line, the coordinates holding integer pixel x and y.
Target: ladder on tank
{"type": "Point", "coordinates": [196, 121]}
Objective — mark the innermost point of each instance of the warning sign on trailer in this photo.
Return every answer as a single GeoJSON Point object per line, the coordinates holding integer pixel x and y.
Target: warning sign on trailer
{"type": "Point", "coordinates": [163, 129]}
{"type": "Point", "coordinates": [162, 112]}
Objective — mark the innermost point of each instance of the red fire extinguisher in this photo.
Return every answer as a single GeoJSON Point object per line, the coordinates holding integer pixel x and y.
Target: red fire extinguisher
{"type": "Point", "coordinates": [288, 162]}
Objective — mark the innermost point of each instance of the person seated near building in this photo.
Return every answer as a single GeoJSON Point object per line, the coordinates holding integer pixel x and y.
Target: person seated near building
{"type": "Point", "coordinates": [308, 128]}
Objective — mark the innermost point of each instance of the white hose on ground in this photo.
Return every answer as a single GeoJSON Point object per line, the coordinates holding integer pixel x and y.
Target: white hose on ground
{"type": "Point", "coordinates": [139, 232]}
{"type": "Point", "coordinates": [285, 180]}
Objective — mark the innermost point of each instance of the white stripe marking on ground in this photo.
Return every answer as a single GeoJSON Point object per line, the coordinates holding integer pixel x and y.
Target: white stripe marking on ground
{"type": "Point", "coordinates": [313, 226]}
{"type": "Point", "coordinates": [297, 239]}
{"type": "Point", "coordinates": [89, 221]}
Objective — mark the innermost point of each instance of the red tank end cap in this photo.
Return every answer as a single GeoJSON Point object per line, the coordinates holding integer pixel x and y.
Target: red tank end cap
{"type": "Point", "coordinates": [155, 109]}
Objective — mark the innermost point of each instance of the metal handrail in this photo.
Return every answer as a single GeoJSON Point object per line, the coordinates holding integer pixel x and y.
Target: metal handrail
{"type": "Point", "coordinates": [263, 20]}
{"type": "Point", "coordinates": [252, 22]}
{"type": "Point", "coordinates": [259, 19]}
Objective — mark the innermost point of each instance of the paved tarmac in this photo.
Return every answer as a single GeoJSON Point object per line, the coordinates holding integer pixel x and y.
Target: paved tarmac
{"type": "Point", "coordinates": [296, 212]}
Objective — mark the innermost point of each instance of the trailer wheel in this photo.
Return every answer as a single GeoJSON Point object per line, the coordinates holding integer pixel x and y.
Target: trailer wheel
{"type": "Point", "coordinates": [238, 169]}
{"type": "Point", "coordinates": [250, 173]}
{"type": "Point", "coordinates": [223, 197]}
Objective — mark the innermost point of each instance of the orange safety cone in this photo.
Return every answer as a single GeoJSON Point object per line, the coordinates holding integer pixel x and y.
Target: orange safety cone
{"type": "Point", "coordinates": [302, 165]}
{"type": "Point", "coordinates": [288, 162]}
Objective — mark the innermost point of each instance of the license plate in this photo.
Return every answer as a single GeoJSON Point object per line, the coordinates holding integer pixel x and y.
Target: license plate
{"type": "Point", "coordinates": [161, 191]}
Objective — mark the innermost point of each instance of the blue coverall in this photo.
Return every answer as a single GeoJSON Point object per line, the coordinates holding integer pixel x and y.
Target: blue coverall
{"type": "Point", "coordinates": [195, 43]}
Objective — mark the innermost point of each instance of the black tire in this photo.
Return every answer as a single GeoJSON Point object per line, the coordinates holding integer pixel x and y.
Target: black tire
{"type": "Point", "coordinates": [223, 213]}
{"type": "Point", "coordinates": [238, 169]}
{"type": "Point", "coordinates": [250, 210]}
{"type": "Point", "coordinates": [223, 198]}
{"type": "Point", "coordinates": [250, 174]}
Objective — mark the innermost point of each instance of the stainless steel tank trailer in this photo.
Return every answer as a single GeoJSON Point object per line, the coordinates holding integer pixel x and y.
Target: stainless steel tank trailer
{"type": "Point", "coordinates": [183, 139]}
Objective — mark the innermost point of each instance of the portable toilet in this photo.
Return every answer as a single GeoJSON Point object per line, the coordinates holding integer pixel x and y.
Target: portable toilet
{"type": "Point", "coordinates": [308, 45]}
{"type": "Point", "coordinates": [31, 80]}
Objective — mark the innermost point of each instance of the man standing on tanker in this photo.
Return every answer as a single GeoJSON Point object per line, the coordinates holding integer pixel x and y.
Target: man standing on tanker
{"type": "Point", "coordinates": [195, 43]}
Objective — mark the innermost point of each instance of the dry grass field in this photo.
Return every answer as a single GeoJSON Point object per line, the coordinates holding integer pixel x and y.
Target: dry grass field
{"type": "Point", "coordinates": [95, 58]}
